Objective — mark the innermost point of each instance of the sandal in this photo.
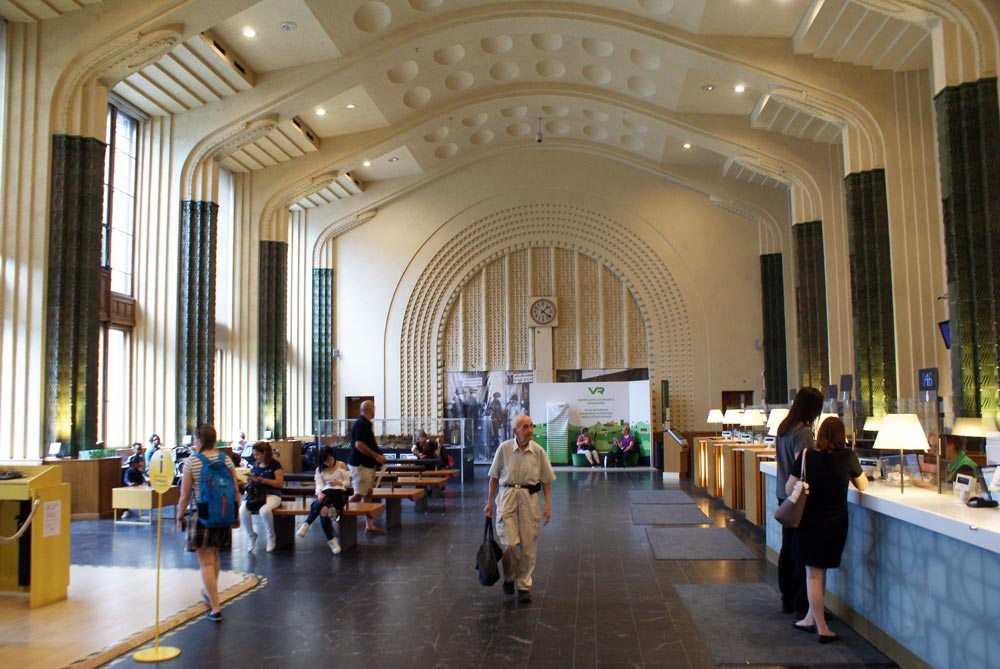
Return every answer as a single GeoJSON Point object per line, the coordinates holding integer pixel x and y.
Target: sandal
{"type": "Point", "coordinates": [374, 530]}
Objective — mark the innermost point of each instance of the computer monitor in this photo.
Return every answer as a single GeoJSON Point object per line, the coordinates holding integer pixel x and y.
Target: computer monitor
{"type": "Point", "coordinates": [993, 448]}
{"type": "Point", "coordinates": [55, 449]}
{"type": "Point", "coordinates": [187, 440]}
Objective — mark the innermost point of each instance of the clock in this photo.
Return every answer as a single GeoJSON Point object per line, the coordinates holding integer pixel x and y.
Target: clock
{"type": "Point", "coordinates": [542, 311]}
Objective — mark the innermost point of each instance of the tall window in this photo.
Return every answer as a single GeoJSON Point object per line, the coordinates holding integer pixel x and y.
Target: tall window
{"type": "Point", "coordinates": [118, 317]}
{"type": "Point", "coordinates": [119, 199]}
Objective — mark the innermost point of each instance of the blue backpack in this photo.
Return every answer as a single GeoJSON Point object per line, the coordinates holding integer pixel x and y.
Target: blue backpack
{"type": "Point", "coordinates": [217, 494]}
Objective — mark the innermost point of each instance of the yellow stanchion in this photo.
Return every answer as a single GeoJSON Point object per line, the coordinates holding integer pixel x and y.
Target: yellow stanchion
{"type": "Point", "coordinates": [161, 477]}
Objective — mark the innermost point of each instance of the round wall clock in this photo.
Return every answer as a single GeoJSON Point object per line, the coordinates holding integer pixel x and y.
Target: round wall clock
{"type": "Point", "coordinates": [543, 311]}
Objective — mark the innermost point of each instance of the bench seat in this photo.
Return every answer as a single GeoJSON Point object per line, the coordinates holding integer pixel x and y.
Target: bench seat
{"type": "Point", "coordinates": [393, 498]}
{"type": "Point", "coordinates": [284, 523]}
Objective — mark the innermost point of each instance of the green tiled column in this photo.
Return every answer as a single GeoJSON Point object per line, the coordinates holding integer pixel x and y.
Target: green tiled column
{"type": "Point", "coordinates": [196, 316]}
{"type": "Point", "coordinates": [71, 326]}
{"type": "Point", "coordinates": [271, 339]}
{"type": "Point", "coordinates": [810, 304]}
{"type": "Point", "coordinates": [772, 287]}
{"type": "Point", "coordinates": [871, 292]}
{"type": "Point", "coordinates": [969, 144]}
{"type": "Point", "coordinates": [322, 332]}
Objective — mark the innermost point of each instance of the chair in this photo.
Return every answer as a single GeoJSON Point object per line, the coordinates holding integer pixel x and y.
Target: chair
{"type": "Point", "coordinates": [580, 460]}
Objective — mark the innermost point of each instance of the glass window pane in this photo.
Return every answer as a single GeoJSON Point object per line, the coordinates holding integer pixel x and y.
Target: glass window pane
{"type": "Point", "coordinates": [124, 211]}
{"type": "Point", "coordinates": [117, 391]}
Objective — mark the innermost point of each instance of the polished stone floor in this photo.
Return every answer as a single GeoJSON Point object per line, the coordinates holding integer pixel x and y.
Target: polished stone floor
{"type": "Point", "coordinates": [412, 599]}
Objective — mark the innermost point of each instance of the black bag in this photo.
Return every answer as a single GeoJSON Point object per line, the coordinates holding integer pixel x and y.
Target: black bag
{"type": "Point", "coordinates": [255, 498]}
{"type": "Point", "coordinates": [488, 556]}
{"type": "Point", "coordinates": [336, 497]}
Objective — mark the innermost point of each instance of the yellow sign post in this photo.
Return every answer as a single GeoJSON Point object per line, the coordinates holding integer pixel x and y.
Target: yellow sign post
{"type": "Point", "coordinates": [161, 477]}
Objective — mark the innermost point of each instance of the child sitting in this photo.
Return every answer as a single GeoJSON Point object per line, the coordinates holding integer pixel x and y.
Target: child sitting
{"type": "Point", "coordinates": [332, 482]}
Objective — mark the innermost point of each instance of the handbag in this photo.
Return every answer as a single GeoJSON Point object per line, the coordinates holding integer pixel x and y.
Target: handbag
{"type": "Point", "coordinates": [488, 556]}
{"type": "Point", "coordinates": [789, 512]}
{"type": "Point", "coordinates": [255, 498]}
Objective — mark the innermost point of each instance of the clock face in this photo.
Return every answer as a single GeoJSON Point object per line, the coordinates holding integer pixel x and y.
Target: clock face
{"type": "Point", "coordinates": [543, 311]}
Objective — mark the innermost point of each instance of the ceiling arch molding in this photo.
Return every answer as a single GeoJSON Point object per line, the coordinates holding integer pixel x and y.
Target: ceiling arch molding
{"type": "Point", "coordinates": [275, 210]}
{"type": "Point", "coordinates": [464, 246]}
{"type": "Point", "coordinates": [204, 157]}
{"type": "Point", "coordinates": [75, 112]}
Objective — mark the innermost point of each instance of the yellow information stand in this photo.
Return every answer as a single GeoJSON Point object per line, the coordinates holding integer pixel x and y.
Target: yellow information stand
{"type": "Point", "coordinates": [161, 476]}
{"type": "Point", "coordinates": [38, 562]}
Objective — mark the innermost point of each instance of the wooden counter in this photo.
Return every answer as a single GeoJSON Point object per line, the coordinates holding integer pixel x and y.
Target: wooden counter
{"type": "Point", "coordinates": [289, 454]}
{"type": "Point", "coordinates": [91, 483]}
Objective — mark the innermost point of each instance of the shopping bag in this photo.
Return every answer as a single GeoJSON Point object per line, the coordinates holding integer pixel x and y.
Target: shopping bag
{"type": "Point", "coordinates": [488, 556]}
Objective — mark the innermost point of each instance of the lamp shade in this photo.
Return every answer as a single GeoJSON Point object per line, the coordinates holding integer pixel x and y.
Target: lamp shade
{"type": "Point", "coordinates": [973, 427]}
{"type": "Point", "coordinates": [774, 420]}
{"type": "Point", "coordinates": [732, 417]}
{"type": "Point", "coordinates": [715, 416]}
{"type": "Point", "coordinates": [752, 418]}
{"type": "Point", "coordinates": [901, 432]}
{"type": "Point", "coordinates": [873, 424]}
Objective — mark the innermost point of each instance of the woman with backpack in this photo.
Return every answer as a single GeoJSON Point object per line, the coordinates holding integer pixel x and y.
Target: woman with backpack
{"type": "Point", "coordinates": [332, 482]}
{"type": "Point", "coordinates": [214, 506]}
{"type": "Point", "coordinates": [267, 472]}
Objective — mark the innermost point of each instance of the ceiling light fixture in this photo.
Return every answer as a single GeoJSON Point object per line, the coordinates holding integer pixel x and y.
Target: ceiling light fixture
{"type": "Point", "coordinates": [393, 159]}
{"type": "Point", "coordinates": [320, 111]}
{"type": "Point", "coordinates": [350, 106]}
{"type": "Point", "coordinates": [249, 32]}
{"type": "Point", "coordinates": [288, 25]}
{"type": "Point", "coordinates": [708, 87]}
{"type": "Point", "coordinates": [367, 163]}
{"type": "Point", "coordinates": [687, 145]}
{"type": "Point", "coordinates": [538, 135]}
{"type": "Point", "coordinates": [740, 88]}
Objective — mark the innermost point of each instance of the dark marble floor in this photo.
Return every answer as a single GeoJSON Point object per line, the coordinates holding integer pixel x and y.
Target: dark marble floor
{"type": "Point", "coordinates": [412, 599]}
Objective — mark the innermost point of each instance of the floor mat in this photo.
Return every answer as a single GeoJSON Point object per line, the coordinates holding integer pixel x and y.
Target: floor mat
{"type": "Point", "coordinates": [110, 595]}
{"type": "Point", "coordinates": [696, 543]}
{"type": "Point", "coordinates": [741, 624]}
{"type": "Point", "coordinates": [668, 514]}
{"type": "Point", "coordinates": [660, 497]}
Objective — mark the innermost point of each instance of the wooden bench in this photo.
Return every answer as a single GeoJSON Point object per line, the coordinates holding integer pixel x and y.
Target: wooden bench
{"type": "Point", "coordinates": [285, 519]}
{"type": "Point", "coordinates": [393, 498]}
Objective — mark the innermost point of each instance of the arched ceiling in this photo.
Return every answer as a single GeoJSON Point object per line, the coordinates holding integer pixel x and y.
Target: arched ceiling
{"type": "Point", "coordinates": [413, 86]}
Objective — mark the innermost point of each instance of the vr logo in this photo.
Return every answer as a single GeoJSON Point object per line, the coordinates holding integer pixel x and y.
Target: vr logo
{"type": "Point", "coordinates": [597, 390]}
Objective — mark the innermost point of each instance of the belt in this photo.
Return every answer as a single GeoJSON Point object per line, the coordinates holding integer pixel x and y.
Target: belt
{"type": "Point", "coordinates": [530, 487]}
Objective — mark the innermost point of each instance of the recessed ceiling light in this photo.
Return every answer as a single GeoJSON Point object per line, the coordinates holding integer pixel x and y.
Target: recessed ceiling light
{"type": "Point", "coordinates": [249, 32]}
{"type": "Point", "coordinates": [367, 163]}
{"type": "Point", "coordinates": [393, 159]}
{"type": "Point", "coordinates": [740, 88]}
{"type": "Point", "coordinates": [687, 145]}
{"type": "Point", "coordinates": [351, 106]}
{"type": "Point", "coordinates": [288, 25]}
{"type": "Point", "coordinates": [708, 87]}
{"type": "Point", "coordinates": [320, 111]}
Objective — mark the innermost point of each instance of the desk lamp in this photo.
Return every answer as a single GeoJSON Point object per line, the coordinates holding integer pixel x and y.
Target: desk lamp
{"type": "Point", "coordinates": [872, 424]}
{"type": "Point", "coordinates": [774, 420]}
{"type": "Point", "coordinates": [966, 427]}
{"type": "Point", "coordinates": [752, 418]}
{"type": "Point", "coordinates": [732, 416]}
{"type": "Point", "coordinates": [715, 417]}
{"type": "Point", "coordinates": [900, 432]}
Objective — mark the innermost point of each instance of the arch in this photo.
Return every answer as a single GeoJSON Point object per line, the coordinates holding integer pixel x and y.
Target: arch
{"type": "Point", "coordinates": [479, 240]}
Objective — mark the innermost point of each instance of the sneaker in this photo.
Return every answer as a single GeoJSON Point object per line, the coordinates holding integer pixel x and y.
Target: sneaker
{"type": "Point", "coordinates": [508, 587]}
{"type": "Point", "coordinates": [334, 545]}
{"type": "Point", "coordinates": [524, 596]}
{"type": "Point", "coordinates": [271, 543]}
{"type": "Point", "coordinates": [303, 529]}
{"type": "Point", "coordinates": [214, 617]}
{"type": "Point", "coordinates": [251, 542]}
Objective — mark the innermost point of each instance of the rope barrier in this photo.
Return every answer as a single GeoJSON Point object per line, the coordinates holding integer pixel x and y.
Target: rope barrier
{"type": "Point", "coordinates": [27, 523]}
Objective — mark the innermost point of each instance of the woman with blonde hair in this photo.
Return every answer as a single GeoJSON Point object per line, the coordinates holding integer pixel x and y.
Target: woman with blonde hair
{"type": "Point", "coordinates": [822, 534]}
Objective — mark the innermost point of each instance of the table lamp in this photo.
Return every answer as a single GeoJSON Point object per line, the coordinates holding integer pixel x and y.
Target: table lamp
{"type": "Point", "coordinates": [752, 418]}
{"type": "Point", "coordinates": [819, 421]}
{"type": "Point", "coordinates": [715, 417]}
{"type": "Point", "coordinates": [900, 432]}
{"type": "Point", "coordinates": [732, 416]}
{"type": "Point", "coordinates": [774, 420]}
{"type": "Point", "coordinates": [872, 424]}
{"type": "Point", "coordinates": [966, 427]}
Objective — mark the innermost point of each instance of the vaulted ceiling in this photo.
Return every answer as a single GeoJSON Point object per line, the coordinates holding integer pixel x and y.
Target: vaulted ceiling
{"type": "Point", "coordinates": [413, 86]}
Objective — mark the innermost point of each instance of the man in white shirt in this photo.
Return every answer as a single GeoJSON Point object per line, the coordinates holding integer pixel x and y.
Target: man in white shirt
{"type": "Point", "coordinates": [520, 469]}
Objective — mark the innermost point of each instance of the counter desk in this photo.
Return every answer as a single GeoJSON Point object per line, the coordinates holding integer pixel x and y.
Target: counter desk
{"type": "Point", "coordinates": [919, 577]}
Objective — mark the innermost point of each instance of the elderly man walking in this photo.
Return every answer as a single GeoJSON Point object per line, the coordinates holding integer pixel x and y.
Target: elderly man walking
{"type": "Point", "coordinates": [520, 469]}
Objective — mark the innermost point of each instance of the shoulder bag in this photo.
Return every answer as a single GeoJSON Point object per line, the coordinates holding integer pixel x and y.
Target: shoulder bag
{"type": "Point", "coordinates": [789, 512]}
{"type": "Point", "coordinates": [488, 556]}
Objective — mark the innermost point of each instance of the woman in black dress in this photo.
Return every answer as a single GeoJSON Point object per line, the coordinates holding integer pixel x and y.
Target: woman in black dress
{"type": "Point", "coordinates": [823, 532]}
